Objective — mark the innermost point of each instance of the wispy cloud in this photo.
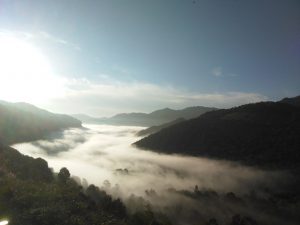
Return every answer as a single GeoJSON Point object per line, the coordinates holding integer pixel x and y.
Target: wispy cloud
{"type": "Point", "coordinates": [40, 36]}
{"type": "Point", "coordinates": [108, 96]}
{"type": "Point", "coordinates": [217, 71]}
{"type": "Point", "coordinates": [17, 34]}
{"type": "Point", "coordinates": [46, 35]}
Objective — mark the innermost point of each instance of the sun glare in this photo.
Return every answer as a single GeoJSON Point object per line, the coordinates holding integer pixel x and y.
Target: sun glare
{"type": "Point", "coordinates": [5, 222]}
{"type": "Point", "coordinates": [25, 73]}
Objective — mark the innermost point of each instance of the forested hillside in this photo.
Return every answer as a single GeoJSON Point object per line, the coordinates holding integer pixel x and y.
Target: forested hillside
{"type": "Point", "coordinates": [30, 193]}
{"type": "Point", "coordinates": [20, 122]}
{"type": "Point", "coordinates": [264, 134]}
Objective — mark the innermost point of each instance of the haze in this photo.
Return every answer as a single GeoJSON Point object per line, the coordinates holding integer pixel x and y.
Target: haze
{"type": "Point", "coordinates": [99, 152]}
{"type": "Point", "coordinates": [103, 155]}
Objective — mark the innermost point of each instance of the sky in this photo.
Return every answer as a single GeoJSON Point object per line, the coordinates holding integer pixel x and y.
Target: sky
{"type": "Point", "coordinates": [109, 56]}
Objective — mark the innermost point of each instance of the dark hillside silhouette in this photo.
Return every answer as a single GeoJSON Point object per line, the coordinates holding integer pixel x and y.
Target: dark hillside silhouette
{"type": "Point", "coordinates": [295, 101]}
{"type": "Point", "coordinates": [265, 134]}
{"type": "Point", "coordinates": [30, 193]}
{"type": "Point", "coordinates": [154, 129]}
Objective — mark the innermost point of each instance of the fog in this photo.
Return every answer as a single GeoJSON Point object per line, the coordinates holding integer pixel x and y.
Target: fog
{"type": "Point", "coordinates": [101, 152]}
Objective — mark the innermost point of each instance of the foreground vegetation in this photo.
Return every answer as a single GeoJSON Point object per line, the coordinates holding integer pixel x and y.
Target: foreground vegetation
{"type": "Point", "coordinates": [30, 193]}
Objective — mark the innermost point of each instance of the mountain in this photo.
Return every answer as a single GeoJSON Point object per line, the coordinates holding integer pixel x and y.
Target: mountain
{"type": "Point", "coordinates": [292, 101]}
{"type": "Point", "coordinates": [87, 119]}
{"type": "Point", "coordinates": [13, 163]}
{"type": "Point", "coordinates": [155, 118]}
{"type": "Point", "coordinates": [265, 134]}
{"type": "Point", "coordinates": [154, 129]}
{"type": "Point", "coordinates": [20, 122]}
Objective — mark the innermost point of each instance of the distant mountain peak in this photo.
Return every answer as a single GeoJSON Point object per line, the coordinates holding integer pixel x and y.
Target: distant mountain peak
{"type": "Point", "coordinates": [264, 134]}
{"type": "Point", "coordinates": [155, 118]}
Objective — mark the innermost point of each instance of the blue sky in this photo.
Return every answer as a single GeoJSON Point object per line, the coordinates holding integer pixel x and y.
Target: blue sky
{"type": "Point", "coordinates": [137, 55]}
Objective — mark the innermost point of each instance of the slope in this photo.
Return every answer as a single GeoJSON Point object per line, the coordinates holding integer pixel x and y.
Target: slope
{"type": "Point", "coordinates": [265, 134]}
{"type": "Point", "coordinates": [154, 129]}
{"type": "Point", "coordinates": [21, 122]}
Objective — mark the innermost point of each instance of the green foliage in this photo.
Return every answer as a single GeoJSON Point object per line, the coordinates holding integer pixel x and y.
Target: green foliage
{"type": "Point", "coordinates": [30, 202]}
{"type": "Point", "coordinates": [212, 208]}
{"type": "Point", "coordinates": [24, 167]}
{"type": "Point", "coordinates": [106, 202]}
{"type": "Point", "coordinates": [147, 217]}
{"type": "Point", "coordinates": [30, 195]}
{"type": "Point", "coordinates": [63, 175]}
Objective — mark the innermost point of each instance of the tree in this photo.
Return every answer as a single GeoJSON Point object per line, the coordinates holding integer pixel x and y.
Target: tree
{"type": "Point", "coordinates": [63, 175]}
{"type": "Point", "coordinates": [212, 221]}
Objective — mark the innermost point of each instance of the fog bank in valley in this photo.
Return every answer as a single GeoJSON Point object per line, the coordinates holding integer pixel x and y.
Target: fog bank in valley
{"type": "Point", "coordinates": [102, 153]}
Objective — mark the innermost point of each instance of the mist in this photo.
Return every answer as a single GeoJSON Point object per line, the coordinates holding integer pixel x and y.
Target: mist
{"type": "Point", "coordinates": [104, 156]}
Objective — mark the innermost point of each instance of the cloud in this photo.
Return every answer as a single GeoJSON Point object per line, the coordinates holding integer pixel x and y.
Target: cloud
{"type": "Point", "coordinates": [108, 148]}
{"type": "Point", "coordinates": [108, 96]}
{"type": "Point", "coordinates": [217, 71]}
{"type": "Point", "coordinates": [105, 153]}
{"type": "Point", "coordinates": [47, 36]}
{"type": "Point", "coordinates": [17, 34]}
{"type": "Point", "coordinates": [103, 96]}
{"type": "Point", "coordinates": [39, 36]}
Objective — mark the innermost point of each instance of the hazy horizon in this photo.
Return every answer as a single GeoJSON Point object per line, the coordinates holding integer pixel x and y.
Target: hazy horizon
{"type": "Point", "coordinates": [129, 111]}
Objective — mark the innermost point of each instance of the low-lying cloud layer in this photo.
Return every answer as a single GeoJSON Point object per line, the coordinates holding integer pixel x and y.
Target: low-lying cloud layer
{"type": "Point", "coordinates": [103, 152]}
{"type": "Point", "coordinates": [104, 156]}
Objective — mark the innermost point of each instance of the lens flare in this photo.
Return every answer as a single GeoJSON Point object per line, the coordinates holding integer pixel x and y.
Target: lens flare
{"type": "Point", "coordinates": [25, 73]}
{"type": "Point", "coordinates": [4, 222]}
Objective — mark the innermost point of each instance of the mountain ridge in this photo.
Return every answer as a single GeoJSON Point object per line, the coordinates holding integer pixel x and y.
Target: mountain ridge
{"type": "Point", "coordinates": [21, 122]}
{"type": "Point", "coordinates": [261, 134]}
{"type": "Point", "coordinates": [154, 118]}
{"type": "Point", "coordinates": [295, 101]}
{"type": "Point", "coordinates": [154, 129]}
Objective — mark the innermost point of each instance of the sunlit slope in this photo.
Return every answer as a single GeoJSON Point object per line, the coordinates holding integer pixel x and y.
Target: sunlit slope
{"type": "Point", "coordinates": [24, 122]}
{"type": "Point", "coordinates": [266, 134]}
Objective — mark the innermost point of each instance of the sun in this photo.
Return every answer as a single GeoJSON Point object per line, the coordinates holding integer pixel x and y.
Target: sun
{"type": "Point", "coordinates": [25, 73]}
{"type": "Point", "coordinates": [4, 222]}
